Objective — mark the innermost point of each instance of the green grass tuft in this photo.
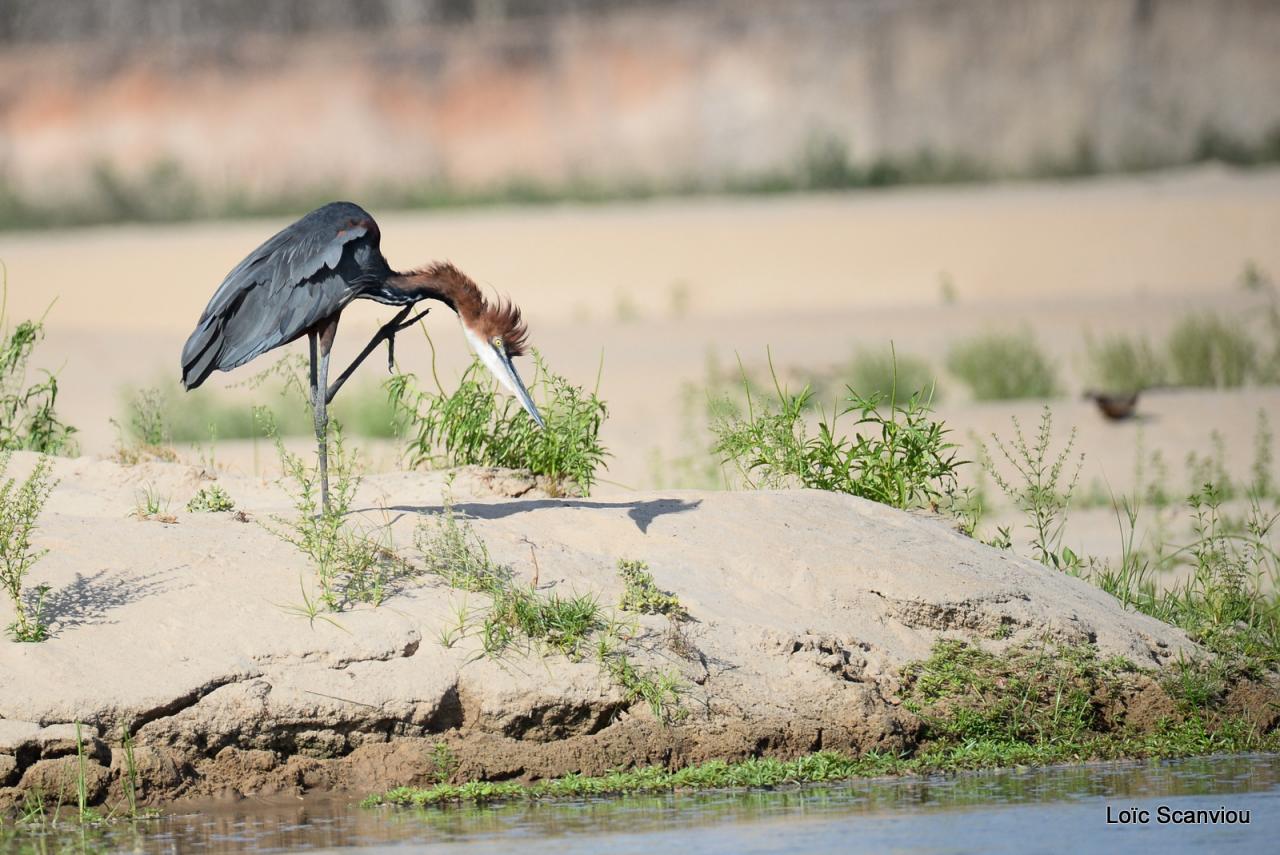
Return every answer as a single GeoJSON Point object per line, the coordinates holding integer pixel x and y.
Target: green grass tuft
{"type": "Point", "coordinates": [1206, 349]}
{"type": "Point", "coordinates": [518, 614]}
{"type": "Point", "coordinates": [1121, 363]}
{"type": "Point", "coordinates": [1000, 366]}
{"type": "Point", "coordinates": [474, 425]}
{"type": "Point", "coordinates": [898, 455]}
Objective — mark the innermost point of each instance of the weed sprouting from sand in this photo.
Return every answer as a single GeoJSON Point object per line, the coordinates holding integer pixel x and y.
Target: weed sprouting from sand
{"type": "Point", "coordinates": [1263, 479]}
{"type": "Point", "coordinates": [898, 455]}
{"type": "Point", "coordinates": [642, 595]}
{"type": "Point", "coordinates": [520, 616]}
{"type": "Point", "coordinates": [211, 499]}
{"type": "Point", "coordinates": [28, 411]}
{"type": "Point", "coordinates": [20, 507]}
{"type": "Point", "coordinates": [519, 613]}
{"type": "Point", "coordinates": [1227, 595]}
{"type": "Point", "coordinates": [451, 550]}
{"type": "Point", "coordinates": [350, 565]}
{"type": "Point", "coordinates": [1042, 487]}
{"type": "Point", "coordinates": [1204, 349]}
{"type": "Point", "coordinates": [147, 418]}
{"type": "Point", "coordinates": [660, 690]}
{"type": "Point", "coordinates": [1000, 366]}
{"type": "Point", "coordinates": [151, 504]}
{"type": "Point", "coordinates": [85, 813]}
{"type": "Point", "coordinates": [146, 435]}
{"type": "Point", "coordinates": [1227, 598]}
{"type": "Point", "coordinates": [474, 425]}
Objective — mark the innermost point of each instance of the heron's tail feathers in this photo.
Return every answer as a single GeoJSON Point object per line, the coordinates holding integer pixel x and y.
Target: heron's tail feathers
{"type": "Point", "coordinates": [200, 355]}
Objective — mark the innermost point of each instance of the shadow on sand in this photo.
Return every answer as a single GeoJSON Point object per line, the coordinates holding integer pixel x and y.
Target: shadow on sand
{"type": "Point", "coordinates": [642, 513]}
{"type": "Point", "coordinates": [87, 600]}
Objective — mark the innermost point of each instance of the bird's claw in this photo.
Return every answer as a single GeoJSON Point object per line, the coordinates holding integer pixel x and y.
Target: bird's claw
{"type": "Point", "coordinates": [394, 326]}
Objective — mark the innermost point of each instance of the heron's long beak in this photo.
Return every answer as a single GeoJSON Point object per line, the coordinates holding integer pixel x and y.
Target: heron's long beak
{"type": "Point", "coordinates": [500, 365]}
{"type": "Point", "coordinates": [507, 376]}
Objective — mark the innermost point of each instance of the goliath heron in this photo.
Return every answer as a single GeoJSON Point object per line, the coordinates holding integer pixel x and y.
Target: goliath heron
{"type": "Point", "coordinates": [299, 281]}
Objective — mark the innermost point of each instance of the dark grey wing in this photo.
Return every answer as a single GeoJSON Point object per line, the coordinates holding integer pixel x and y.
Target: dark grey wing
{"type": "Point", "coordinates": [305, 273]}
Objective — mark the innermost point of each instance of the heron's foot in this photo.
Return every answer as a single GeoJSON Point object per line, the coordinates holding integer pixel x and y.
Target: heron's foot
{"type": "Point", "coordinates": [389, 331]}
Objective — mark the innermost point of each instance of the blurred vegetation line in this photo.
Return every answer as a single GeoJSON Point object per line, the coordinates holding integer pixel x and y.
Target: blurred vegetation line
{"type": "Point", "coordinates": [445, 103]}
{"type": "Point", "coordinates": [166, 193]}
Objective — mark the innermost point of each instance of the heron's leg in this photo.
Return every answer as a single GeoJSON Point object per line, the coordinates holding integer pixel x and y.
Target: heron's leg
{"type": "Point", "coordinates": [325, 341]}
{"type": "Point", "coordinates": [317, 419]}
{"type": "Point", "coordinates": [388, 333]}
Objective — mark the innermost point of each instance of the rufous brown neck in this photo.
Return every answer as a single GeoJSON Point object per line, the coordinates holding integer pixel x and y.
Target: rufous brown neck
{"type": "Point", "coordinates": [446, 283]}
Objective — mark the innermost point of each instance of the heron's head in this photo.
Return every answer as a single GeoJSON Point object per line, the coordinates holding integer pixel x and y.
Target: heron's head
{"type": "Point", "coordinates": [494, 330]}
{"type": "Point", "coordinates": [497, 334]}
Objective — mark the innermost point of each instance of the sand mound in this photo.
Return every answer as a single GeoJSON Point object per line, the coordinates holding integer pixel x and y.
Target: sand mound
{"type": "Point", "coordinates": [803, 607]}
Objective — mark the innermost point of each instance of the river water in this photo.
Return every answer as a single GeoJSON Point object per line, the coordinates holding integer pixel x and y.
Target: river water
{"type": "Point", "coordinates": [1061, 809]}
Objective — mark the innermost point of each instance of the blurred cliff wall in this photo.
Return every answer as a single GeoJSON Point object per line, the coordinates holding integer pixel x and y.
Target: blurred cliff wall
{"type": "Point", "coordinates": [260, 96]}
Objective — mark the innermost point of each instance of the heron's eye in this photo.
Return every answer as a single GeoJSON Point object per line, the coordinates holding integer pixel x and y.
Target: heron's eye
{"type": "Point", "coordinates": [497, 341]}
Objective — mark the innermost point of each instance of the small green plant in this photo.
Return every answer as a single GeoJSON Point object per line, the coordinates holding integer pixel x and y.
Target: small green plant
{"type": "Point", "coordinates": [1041, 488]}
{"type": "Point", "coordinates": [1254, 279]}
{"type": "Point", "coordinates": [20, 507]}
{"type": "Point", "coordinates": [149, 504]}
{"type": "Point", "coordinates": [1122, 363]}
{"type": "Point", "coordinates": [443, 762]}
{"type": "Point", "coordinates": [1206, 349]}
{"type": "Point", "coordinates": [350, 566]}
{"type": "Point", "coordinates": [451, 550]}
{"type": "Point", "coordinates": [519, 615]}
{"type": "Point", "coordinates": [129, 781]}
{"type": "Point", "coordinates": [147, 418]}
{"type": "Point", "coordinates": [211, 499]}
{"type": "Point", "coordinates": [641, 594]}
{"type": "Point", "coordinates": [82, 789]}
{"type": "Point", "coordinates": [471, 426]}
{"type": "Point", "coordinates": [659, 689]}
{"type": "Point", "coordinates": [147, 435]}
{"type": "Point", "coordinates": [28, 412]}
{"type": "Point", "coordinates": [1001, 366]}
{"type": "Point", "coordinates": [898, 454]}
